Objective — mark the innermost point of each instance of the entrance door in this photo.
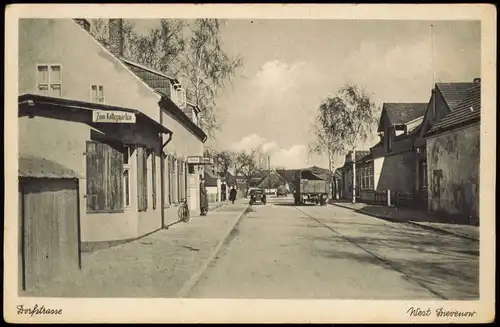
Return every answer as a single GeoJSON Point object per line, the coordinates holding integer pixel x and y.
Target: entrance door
{"type": "Point", "coordinates": [50, 229]}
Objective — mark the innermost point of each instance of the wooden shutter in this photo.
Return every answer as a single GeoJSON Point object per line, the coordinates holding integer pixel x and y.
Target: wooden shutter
{"type": "Point", "coordinates": [142, 181]}
{"type": "Point", "coordinates": [104, 178]}
{"type": "Point", "coordinates": [178, 180]}
{"type": "Point", "coordinates": [114, 194]}
{"type": "Point", "coordinates": [153, 177]}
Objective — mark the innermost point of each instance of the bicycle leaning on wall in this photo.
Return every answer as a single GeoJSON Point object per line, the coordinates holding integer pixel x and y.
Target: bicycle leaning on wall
{"type": "Point", "coordinates": [183, 211]}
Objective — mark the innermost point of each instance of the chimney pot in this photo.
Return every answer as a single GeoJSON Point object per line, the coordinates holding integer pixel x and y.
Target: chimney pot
{"type": "Point", "coordinates": [115, 27]}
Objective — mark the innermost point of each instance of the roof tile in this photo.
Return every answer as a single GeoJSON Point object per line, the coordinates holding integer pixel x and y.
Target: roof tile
{"type": "Point", "coordinates": [402, 113]}
{"type": "Point", "coordinates": [468, 109]}
{"type": "Point", "coordinates": [454, 93]}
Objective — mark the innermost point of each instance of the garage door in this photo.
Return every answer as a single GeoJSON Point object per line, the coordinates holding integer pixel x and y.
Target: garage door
{"type": "Point", "coordinates": [50, 229]}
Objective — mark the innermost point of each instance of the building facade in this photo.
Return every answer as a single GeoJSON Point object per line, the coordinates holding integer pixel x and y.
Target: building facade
{"type": "Point", "coordinates": [394, 156]}
{"type": "Point", "coordinates": [453, 152]}
{"type": "Point", "coordinates": [131, 173]}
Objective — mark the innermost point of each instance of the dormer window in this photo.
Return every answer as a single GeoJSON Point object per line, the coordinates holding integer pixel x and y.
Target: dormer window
{"type": "Point", "coordinates": [178, 95]}
{"type": "Point", "coordinates": [400, 129]}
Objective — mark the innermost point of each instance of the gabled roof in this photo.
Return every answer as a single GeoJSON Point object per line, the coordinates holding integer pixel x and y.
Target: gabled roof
{"type": "Point", "coordinates": [287, 174]}
{"type": "Point", "coordinates": [453, 93]}
{"type": "Point", "coordinates": [269, 176]}
{"type": "Point", "coordinates": [467, 111]}
{"type": "Point", "coordinates": [158, 82]}
{"type": "Point", "coordinates": [402, 113]}
{"type": "Point", "coordinates": [360, 154]}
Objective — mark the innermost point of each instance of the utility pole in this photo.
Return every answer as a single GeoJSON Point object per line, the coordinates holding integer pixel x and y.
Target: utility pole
{"type": "Point", "coordinates": [433, 71]}
{"type": "Point", "coordinates": [269, 172]}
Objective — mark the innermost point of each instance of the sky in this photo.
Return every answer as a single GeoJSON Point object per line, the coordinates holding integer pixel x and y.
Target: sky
{"type": "Point", "coordinates": [290, 66]}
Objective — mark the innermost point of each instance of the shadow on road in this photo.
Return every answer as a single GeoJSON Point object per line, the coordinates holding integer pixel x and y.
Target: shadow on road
{"type": "Point", "coordinates": [448, 266]}
{"type": "Point", "coordinates": [399, 215]}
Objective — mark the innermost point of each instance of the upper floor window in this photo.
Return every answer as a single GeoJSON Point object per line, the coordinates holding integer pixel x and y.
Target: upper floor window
{"type": "Point", "coordinates": [97, 93]}
{"type": "Point", "coordinates": [49, 80]}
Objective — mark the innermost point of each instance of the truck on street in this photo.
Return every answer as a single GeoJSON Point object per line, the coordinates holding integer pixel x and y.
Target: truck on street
{"type": "Point", "coordinates": [310, 188]}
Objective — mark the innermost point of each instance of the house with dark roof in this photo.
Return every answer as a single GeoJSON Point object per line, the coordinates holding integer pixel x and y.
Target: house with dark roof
{"type": "Point", "coordinates": [271, 181]}
{"type": "Point", "coordinates": [394, 155]}
{"type": "Point", "coordinates": [444, 99]}
{"type": "Point", "coordinates": [83, 109]}
{"type": "Point", "coordinates": [452, 157]}
{"type": "Point", "coordinates": [364, 175]}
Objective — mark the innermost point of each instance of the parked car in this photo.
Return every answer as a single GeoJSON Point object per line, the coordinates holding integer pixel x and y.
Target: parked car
{"type": "Point", "coordinates": [250, 191]}
{"type": "Point", "coordinates": [257, 196]}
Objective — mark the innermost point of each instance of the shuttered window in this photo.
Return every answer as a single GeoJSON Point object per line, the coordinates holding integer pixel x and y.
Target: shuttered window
{"type": "Point", "coordinates": [104, 178]}
{"type": "Point", "coordinates": [179, 180]}
{"type": "Point", "coordinates": [171, 179]}
{"type": "Point", "coordinates": [142, 180]}
{"type": "Point", "coordinates": [153, 177]}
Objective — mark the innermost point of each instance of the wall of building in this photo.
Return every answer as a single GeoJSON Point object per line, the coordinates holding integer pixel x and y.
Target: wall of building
{"type": "Point", "coordinates": [183, 144]}
{"type": "Point", "coordinates": [395, 173]}
{"type": "Point", "coordinates": [455, 157]}
{"type": "Point", "coordinates": [55, 137]}
{"type": "Point", "coordinates": [346, 183]}
{"type": "Point", "coordinates": [84, 62]}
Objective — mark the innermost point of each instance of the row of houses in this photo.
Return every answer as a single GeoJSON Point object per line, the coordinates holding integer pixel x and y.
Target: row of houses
{"type": "Point", "coordinates": [105, 146]}
{"type": "Point", "coordinates": [268, 179]}
{"type": "Point", "coordinates": [427, 156]}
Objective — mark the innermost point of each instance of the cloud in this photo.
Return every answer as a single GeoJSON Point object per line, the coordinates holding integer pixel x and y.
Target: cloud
{"type": "Point", "coordinates": [247, 143]}
{"type": "Point", "coordinates": [280, 77]}
{"type": "Point", "coordinates": [293, 157]}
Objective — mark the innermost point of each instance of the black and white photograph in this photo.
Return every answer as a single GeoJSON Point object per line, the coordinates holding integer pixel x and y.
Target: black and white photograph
{"type": "Point", "coordinates": [205, 155]}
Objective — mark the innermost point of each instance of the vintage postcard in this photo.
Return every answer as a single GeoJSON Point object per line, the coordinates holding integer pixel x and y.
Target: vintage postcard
{"type": "Point", "coordinates": [250, 163]}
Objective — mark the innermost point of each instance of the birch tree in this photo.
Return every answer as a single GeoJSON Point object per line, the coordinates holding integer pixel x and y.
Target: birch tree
{"type": "Point", "coordinates": [348, 118]}
{"type": "Point", "coordinates": [206, 68]}
{"type": "Point", "coordinates": [326, 143]}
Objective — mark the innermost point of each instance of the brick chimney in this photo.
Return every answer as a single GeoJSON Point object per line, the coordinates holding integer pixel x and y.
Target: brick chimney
{"type": "Point", "coordinates": [83, 23]}
{"type": "Point", "coordinates": [115, 27]}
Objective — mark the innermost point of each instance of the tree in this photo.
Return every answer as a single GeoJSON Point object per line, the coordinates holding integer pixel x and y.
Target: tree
{"type": "Point", "coordinates": [348, 118]}
{"type": "Point", "coordinates": [223, 161]}
{"type": "Point", "coordinates": [196, 56]}
{"type": "Point", "coordinates": [207, 69]}
{"type": "Point", "coordinates": [160, 49]}
{"type": "Point", "coordinates": [248, 164]}
{"type": "Point", "coordinates": [100, 31]}
{"type": "Point", "coordinates": [326, 143]}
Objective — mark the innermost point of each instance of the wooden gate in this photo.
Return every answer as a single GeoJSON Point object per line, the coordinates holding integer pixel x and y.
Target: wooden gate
{"type": "Point", "coordinates": [50, 229]}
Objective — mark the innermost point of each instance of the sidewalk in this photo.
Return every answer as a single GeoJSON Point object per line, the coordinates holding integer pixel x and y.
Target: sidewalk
{"type": "Point", "coordinates": [157, 265]}
{"type": "Point", "coordinates": [414, 217]}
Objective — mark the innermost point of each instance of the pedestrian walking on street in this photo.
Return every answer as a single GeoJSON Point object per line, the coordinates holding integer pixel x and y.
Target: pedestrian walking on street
{"type": "Point", "coordinates": [203, 198]}
{"type": "Point", "coordinates": [232, 194]}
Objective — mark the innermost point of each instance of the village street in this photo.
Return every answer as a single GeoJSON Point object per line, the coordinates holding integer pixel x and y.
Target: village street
{"type": "Point", "coordinates": [282, 251]}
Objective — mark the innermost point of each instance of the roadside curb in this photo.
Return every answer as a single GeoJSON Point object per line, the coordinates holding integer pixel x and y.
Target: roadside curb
{"type": "Point", "coordinates": [186, 288]}
{"type": "Point", "coordinates": [443, 231]}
